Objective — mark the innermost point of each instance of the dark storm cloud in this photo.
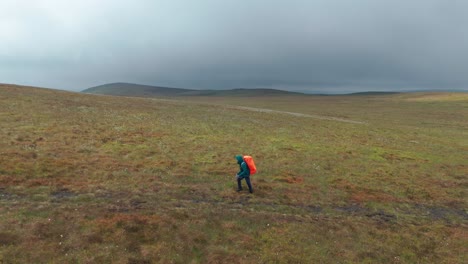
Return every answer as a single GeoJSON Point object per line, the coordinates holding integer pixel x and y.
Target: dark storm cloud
{"type": "Point", "coordinates": [322, 45]}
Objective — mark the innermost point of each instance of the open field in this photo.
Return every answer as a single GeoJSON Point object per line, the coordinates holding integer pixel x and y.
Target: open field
{"type": "Point", "coordinates": [102, 179]}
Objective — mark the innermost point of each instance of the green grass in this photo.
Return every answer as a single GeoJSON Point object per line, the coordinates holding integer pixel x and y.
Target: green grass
{"type": "Point", "coordinates": [101, 179]}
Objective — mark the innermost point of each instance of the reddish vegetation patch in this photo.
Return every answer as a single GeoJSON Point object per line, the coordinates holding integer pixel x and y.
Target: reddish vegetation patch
{"type": "Point", "coordinates": [360, 195]}
{"type": "Point", "coordinates": [295, 179]}
{"type": "Point", "coordinates": [10, 180]}
{"type": "Point", "coordinates": [45, 182]}
{"type": "Point", "coordinates": [366, 195]}
{"type": "Point", "coordinates": [444, 183]}
{"type": "Point", "coordinates": [391, 156]}
{"type": "Point", "coordinates": [344, 184]}
{"type": "Point", "coordinates": [459, 234]}
{"type": "Point", "coordinates": [246, 239]}
{"type": "Point", "coordinates": [125, 219]}
{"type": "Point", "coordinates": [8, 238]}
{"type": "Point", "coordinates": [290, 179]}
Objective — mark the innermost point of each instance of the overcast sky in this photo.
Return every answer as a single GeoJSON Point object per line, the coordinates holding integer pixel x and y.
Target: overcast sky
{"type": "Point", "coordinates": [309, 45]}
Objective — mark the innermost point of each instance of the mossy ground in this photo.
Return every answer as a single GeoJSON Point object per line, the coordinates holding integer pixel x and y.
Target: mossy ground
{"type": "Point", "coordinates": [100, 179]}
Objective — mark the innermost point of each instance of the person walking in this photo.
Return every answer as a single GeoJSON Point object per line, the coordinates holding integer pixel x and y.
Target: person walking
{"type": "Point", "coordinates": [244, 173]}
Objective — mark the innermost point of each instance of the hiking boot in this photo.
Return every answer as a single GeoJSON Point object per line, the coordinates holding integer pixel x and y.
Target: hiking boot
{"type": "Point", "coordinates": [238, 190]}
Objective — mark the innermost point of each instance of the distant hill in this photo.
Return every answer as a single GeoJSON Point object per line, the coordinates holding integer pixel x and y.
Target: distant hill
{"type": "Point", "coordinates": [130, 89]}
{"type": "Point", "coordinates": [138, 90]}
{"type": "Point", "coordinates": [373, 93]}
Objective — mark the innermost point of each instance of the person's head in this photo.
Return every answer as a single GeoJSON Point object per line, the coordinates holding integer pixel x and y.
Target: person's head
{"type": "Point", "coordinates": [239, 159]}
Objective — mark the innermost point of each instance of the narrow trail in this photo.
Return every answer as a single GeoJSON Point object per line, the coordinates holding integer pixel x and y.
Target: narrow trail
{"type": "Point", "coordinates": [121, 202]}
{"type": "Point", "coordinates": [247, 108]}
{"type": "Point", "coordinates": [417, 211]}
{"type": "Point", "coordinates": [262, 110]}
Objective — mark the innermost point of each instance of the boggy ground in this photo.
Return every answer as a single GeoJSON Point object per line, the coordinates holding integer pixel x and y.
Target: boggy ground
{"type": "Point", "coordinates": [97, 179]}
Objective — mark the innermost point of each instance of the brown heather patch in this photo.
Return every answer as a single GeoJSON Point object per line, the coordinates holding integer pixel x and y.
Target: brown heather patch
{"type": "Point", "coordinates": [39, 182]}
{"type": "Point", "coordinates": [7, 239]}
{"type": "Point", "coordinates": [365, 195]}
{"type": "Point", "coordinates": [344, 184]}
{"type": "Point", "coordinates": [444, 183]}
{"type": "Point", "coordinates": [126, 220]}
{"type": "Point", "coordinates": [6, 180]}
{"type": "Point", "coordinates": [458, 234]}
{"type": "Point", "coordinates": [290, 179]}
{"type": "Point", "coordinates": [358, 194]}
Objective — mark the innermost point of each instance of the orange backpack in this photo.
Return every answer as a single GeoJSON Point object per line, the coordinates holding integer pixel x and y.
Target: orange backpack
{"type": "Point", "coordinates": [250, 164]}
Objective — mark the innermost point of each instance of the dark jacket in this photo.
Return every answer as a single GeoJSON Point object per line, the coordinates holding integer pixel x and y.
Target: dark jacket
{"type": "Point", "coordinates": [244, 169]}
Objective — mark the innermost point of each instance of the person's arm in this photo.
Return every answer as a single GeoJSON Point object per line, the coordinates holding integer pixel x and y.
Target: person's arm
{"type": "Point", "coordinates": [244, 171]}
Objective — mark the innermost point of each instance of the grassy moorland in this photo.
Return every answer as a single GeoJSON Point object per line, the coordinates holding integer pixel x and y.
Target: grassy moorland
{"type": "Point", "coordinates": [101, 179]}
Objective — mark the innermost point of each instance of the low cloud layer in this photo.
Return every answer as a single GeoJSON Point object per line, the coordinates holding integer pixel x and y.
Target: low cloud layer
{"type": "Point", "coordinates": [321, 45]}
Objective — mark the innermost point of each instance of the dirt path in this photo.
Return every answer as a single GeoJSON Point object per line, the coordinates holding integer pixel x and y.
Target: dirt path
{"type": "Point", "coordinates": [415, 211]}
{"type": "Point", "coordinates": [121, 202]}
{"type": "Point", "coordinates": [246, 108]}
{"type": "Point", "coordinates": [262, 110]}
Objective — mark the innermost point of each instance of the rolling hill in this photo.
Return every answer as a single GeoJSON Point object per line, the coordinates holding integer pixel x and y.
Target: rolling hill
{"type": "Point", "coordinates": [108, 179]}
{"type": "Point", "coordinates": [138, 90]}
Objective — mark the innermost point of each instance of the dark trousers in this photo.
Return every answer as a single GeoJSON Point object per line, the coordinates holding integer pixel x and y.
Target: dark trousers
{"type": "Point", "coordinates": [247, 180]}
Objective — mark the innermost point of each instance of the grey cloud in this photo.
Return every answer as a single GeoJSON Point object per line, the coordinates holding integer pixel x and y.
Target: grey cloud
{"type": "Point", "coordinates": [327, 45]}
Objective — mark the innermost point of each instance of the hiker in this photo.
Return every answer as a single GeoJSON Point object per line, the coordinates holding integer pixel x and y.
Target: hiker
{"type": "Point", "coordinates": [244, 173]}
